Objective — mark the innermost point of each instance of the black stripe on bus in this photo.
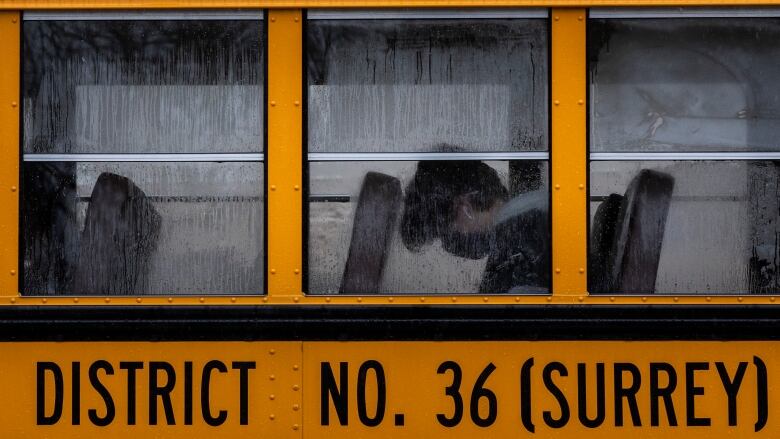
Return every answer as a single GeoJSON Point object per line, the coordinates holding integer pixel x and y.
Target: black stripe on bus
{"type": "Point", "coordinates": [402, 323]}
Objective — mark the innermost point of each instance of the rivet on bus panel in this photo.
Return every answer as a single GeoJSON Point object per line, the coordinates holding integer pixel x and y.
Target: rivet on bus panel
{"type": "Point", "coordinates": [138, 299]}
{"type": "Point", "coordinates": [273, 187]}
{"type": "Point", "coordinates": [296, 187]}
{"type": "Point", "coordinates": [390, 299]}
{"type": "Point", "coordinates": [272, 416]}
{"type": "Point", "coordinates": [581, 186]}
{"type": "Point", "coordinates": [296, 387]}
{"type": "Point", "coordinates": [14, 104]}
{"type": "Point", "coordinates": [557, 18]}
{"type": "Point", "coordinates": [557, 102]}
{"type": "Point", "coordinates": [297, 103]}
{"type": "Point", "coordinates": [517, 299]}
{"type": "Point", "coordinates": [582, 271]}
{"type": "Point", "coordinates": [13, 20]}
{"type": "Point", "coordinates": [611, 298]}
{"type": "Point", "coordinates": [272, 397]}
{"type": "Point", "coordinates": [422, 299]}
{"type": "Point", "coordinates": [296, 271]}
{"type": "Point", "coordinates": [13, 188]}
{"type": "Point", "coordinates": [580, 298]}
{"type": "Point", "coordinates": [327, 300]}
{"type": "Point", "coordinates": [107, 299]}
{"type": "Point", "coordinates": [484, 299]}
{"type": "Point", "coordinates": [557, 186]}
{"type": "Point", "coordinates": [580, 102]}
{"type": "Point", "coordinates": [273, 271]}
{"type": "Point", "coordinates": [170, 300]}
{"type": "Point", "coordinates": [676, 299]}
{"type": "Point", "coordinates": [739, 299]}
{"type": "Point", "coordinates": [557, 271]}
{"type": "Point", "coordinates": [359, 299]}
{"type": "Point", "coordinates": [296, 299]}
{"type": "Point", "coordinates": [454, 299]}
{"type": "Point", "coordinates": [295, 426]}
{"type": "Point", "coordinates": [549, 299]}
{"type": "Point", "coordinates": [709, 298]}
{"type": "Point", "coordinates": [772, 299]}
{"type": "Point", "coordinates": [296, 407]}
{"type": "Point", "coordinates": [296, 367]}
{"type": "Point", "coordinates": [273, 103]}
{"type": "Point", "coordinates": [644, 299]}
{"type": "Point", "coordinates": [13, 299]}
{"type": "Point", "coordinates": [75, 300]}
{"type": "Point", "coordinates": [13, 272]}
{"type": "Point", "coordinates": [233, 299]}
{"type": "Point", "coordinates": [579, 17]}
{"type": "Point", "coordinates": [272, 377]}
{"type": "Point", "coordinates": [44, 300]}
{"type": "Point", "coordinates": [296, 19]}
{"type": "Point", "coordinates": [265, 299]}
{"type": "Point", "coordinates": [271, 351]}
{"type": "Point", "coordinates": [202, 299]}
{"type": "Point", "coordinates": [273, 19]}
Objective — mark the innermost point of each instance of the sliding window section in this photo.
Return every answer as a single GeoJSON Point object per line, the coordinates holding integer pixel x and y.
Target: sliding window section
{"type": "Point", "coordinates": [428, 150]}
{"type": "Point", "coordinates": [143, 153]}
{"type": "Point", "coordinates": [685, 152]}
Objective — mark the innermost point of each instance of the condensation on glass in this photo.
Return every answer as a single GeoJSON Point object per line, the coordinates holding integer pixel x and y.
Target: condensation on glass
{"type": "Point", "coordinates": [175, 225]}
{"type": "Point", "coordinates": [414, 85]}
{"type": "Point", "coordinates": [425, 218]}
{"type": "Point", "coordinates": [682, 86]}
{"type": "Point", "coordinates": [685, 85]}
{"type": "Point", "coordinates": [405, 227]}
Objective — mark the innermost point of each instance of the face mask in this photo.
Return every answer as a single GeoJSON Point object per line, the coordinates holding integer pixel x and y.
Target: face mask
{"type": "Point", "coordinates": [474, 245]}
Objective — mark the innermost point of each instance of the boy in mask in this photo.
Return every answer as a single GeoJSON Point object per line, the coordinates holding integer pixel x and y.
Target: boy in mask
{"type": "Point", "coordinates": [464, 204]}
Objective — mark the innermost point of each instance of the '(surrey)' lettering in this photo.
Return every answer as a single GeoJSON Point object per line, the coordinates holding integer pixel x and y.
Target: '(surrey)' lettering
{"type": "Point", "coordinates": [657, 381]}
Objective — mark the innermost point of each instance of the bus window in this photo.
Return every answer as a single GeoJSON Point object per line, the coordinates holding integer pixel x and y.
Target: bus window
{"type": "Point", "coordinates": [684, 175]}
{"type": "Point", "coordinates": [143, 141]}
{"type": "Point", "coordinates": [427, 153]}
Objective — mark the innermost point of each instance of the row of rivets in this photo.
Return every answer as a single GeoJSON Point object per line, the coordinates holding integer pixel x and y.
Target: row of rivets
{"type": "Point", "coordinates": [392, 299]}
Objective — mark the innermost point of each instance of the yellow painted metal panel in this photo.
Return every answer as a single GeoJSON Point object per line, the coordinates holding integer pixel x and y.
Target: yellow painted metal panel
{"type": "Point", "coordinates": [210, 4]}
{"type": "Point", "coordinates": [10, 31]}
{"type": "Point", "coordinates": [568, 157]}
{"type": "Point", "coordinates": [416, 379]}
{"type": "Point", "coordinates": [271, 370]}
{"type": "Point", "coordinates": [285, 152]}
{"type": "Point", "coordinates": [285, 384]}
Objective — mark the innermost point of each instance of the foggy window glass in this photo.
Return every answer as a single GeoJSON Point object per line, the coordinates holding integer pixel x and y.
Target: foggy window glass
{"type": "Point", "coordinates": [684, 84]}
{"type": "Point", "coordinates": [427, 166]}
{"type": "Point", "coordinates": [410, 85]}
{"type": "Point", "coordinates": [684, 180]}
{"type": "Point", "coordinates": [143, 165]}
{"type": "Point", "coordinates": [143, 86]}
{"type": "Point", "coordinates": [454, 227]}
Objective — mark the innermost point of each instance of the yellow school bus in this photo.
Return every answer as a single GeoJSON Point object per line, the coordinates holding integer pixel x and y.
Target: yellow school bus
{"type": "Point", "coordinates": [410, 218]}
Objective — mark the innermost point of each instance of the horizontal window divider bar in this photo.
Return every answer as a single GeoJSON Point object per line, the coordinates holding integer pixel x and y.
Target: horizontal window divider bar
{"type": "Point", "coordinates": [195, 198]}
{"type": "Point", "coordinates": [727, 12]}
{"type": "Point", "coordinates": [422, 14]}
{"type": "Point", "coordinates": [704, 198]}
{"type": "Point", "coordinates": [204, 157]}
{"type": "Point", "coordinates": [682, 156]}
{"type": "Point", "coordinates": [422, 156]}
{"type": "Point", "coordinates": [141, 15]}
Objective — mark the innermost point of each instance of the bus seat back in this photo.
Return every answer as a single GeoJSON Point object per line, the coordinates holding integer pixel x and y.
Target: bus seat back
{"type": "Point", "coordinates": [372, 230]}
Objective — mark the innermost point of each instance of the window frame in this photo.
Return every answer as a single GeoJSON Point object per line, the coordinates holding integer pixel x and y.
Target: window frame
{"type": "Point", "coordinates": [257, 16]}
{"type": "Point", "coordinates": [284, 154]}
